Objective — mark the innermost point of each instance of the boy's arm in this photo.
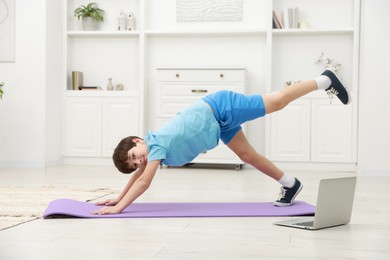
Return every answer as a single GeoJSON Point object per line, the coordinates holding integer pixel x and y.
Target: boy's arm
{"type": "Point", "coordinates": [130, 183]}
{"type": "Point", "coordinates": [113, 202]}
{"type": "Point", "coordinates": [137, 188]}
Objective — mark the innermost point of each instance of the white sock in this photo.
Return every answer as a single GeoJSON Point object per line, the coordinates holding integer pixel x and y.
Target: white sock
{"type": "Point", "coordinates": [323, 82]}
{"type": "Point", "coordinates": [287, 181]}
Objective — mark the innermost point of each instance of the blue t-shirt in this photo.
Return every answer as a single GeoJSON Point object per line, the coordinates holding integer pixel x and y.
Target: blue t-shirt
{"type": "Point", "coordinates": [180, 140]}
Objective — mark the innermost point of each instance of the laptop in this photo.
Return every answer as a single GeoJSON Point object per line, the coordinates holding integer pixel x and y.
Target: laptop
{"type": "Point", "coordinates": [334, 205]}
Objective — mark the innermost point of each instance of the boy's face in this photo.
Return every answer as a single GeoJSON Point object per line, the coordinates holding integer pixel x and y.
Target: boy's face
{"type": "Point", "coordinates": [138, 155]}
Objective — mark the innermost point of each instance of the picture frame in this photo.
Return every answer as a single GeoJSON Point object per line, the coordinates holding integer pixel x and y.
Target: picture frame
{"type": "Point", "coordinates": [7, 30]}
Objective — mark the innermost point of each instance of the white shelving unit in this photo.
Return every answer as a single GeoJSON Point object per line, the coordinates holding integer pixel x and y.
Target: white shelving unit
{"type": "Point", "coordinates": [271, 56]}
{"type": "Point", "coordinates": [311, 133]}
{"type": "Point", "coordinates": [95, 121]}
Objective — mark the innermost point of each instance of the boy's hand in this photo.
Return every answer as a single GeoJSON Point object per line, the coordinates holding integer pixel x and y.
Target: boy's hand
{"type": "Point", "coordinates": [109, 202]}
{"type": "Point", "coordinates": [107, 210]}
{"type": "Point", "coordinates": [137, 187]}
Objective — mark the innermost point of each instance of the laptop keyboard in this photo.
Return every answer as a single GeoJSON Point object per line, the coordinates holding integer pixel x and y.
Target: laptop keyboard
{"type": "Point", "coordinates": [307, 224]}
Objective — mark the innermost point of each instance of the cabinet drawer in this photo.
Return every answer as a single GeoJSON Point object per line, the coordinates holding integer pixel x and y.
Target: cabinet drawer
{"type": "Point", "coordinates": [214, 75]}
{"type": "Point", "coordinates": [170, 109]}
{"type": "Point", "coordinates": [195, 90]}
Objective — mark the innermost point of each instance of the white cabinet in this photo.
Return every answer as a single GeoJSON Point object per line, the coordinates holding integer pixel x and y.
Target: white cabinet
{"type": "Point", "coordinates": [95, 125]}
{"type": "Point", "coordinates": [177, 88]}
{"type": "Point", "coordinates": [312, 130]}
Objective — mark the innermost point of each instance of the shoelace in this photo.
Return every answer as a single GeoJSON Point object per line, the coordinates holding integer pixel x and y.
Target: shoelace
{"type": "Point", "coordinates": [331, 93]}
{"type": "Point", "coordinates": [282, 193]}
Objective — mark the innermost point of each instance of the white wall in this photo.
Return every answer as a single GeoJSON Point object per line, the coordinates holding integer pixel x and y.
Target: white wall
{"type": "Point", "coordinates": [54, 71]}
{"type": "Point", "coordinates": [24, 104]}
{"type": "Point", "coordinates": [374, 105]}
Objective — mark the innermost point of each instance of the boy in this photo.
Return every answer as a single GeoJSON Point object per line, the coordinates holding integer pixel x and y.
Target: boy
{"type": "Point", "coordinates": [199, 127]}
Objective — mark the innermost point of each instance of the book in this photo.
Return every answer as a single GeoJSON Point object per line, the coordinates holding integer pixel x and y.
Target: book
{"type": "Point", "coordinates": [274, 24]}
{"type": "Point", "coordinates": [90, 88]}
{"type": "Point", "coordinates": [291, 17]}
{"type": "Point", "coordinates": [295, 17]}
{"type": "Point", "coordinates": [278, 20]}
{"type": "Point", "coordinates": [77, 79]}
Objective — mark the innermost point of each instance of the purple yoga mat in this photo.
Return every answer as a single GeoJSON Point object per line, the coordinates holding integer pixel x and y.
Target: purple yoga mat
{"type": "Point", "coordinates": [74, 208]}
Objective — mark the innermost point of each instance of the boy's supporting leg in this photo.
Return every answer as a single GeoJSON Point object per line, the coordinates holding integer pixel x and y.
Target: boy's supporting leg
{"type": "Point", "coordinates": [291, 186]}
{"type": "Point", "coordinates": [240, 146]}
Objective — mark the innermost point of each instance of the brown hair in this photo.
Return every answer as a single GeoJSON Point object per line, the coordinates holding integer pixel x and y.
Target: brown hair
{"type": "Point", "coordinates": [120, 155]}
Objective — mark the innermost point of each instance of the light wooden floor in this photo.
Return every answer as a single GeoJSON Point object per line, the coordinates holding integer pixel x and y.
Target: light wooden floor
{"type": "Point", "coordinates": [366, 237]}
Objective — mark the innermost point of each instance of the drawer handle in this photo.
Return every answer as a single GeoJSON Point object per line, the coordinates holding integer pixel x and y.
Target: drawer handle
{"type": "Point", "coordinates": [199, 91]}
{"type": "Point", "coordinates": [177, 75]}
{"type": "Point", "coordinates": [221, 75]}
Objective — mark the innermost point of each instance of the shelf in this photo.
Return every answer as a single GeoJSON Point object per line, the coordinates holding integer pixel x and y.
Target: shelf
{"type": "Point", "coordinates": [276, 32]}
{"type": "Point", "coordinates": [100, 93]}
{"type": "Point", "coordinates": [103, 33]}
{"type": "Point", "coordinates": [206, 32]}
{"type": "Point", "coordinates": [203, 68]}
{"type": "Point", "coordinates": [287, 32]}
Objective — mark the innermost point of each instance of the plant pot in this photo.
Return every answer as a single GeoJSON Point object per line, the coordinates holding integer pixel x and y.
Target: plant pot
{"type": "Point", "coordinates": [89, 24]}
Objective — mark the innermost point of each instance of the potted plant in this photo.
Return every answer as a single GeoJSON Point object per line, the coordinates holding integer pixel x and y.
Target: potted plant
{"type": "Point", "coordinates": [91, 15]}
{"type": "Point", "coordinates": [1, 89]}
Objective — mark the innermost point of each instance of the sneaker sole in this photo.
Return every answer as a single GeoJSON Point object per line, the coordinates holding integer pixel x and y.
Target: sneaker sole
{"type": "Point", "coordinates": [340, 82]}
{"type": "Point", "coordinates": [292, 201]}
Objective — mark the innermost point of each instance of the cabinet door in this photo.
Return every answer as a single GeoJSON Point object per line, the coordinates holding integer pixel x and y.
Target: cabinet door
{"type": "Point", "coordinates": [331, 131]}
{"type": "Point", "coordinates": [290, 132]}
{"type": "Point", "coordinates": [120, 119]}
{"type": "Point", "coordinates": [82, 126]}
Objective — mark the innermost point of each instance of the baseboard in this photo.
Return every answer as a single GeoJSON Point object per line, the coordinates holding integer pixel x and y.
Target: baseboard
{"type": "Point", "coordinates": [87, 161]}
{"type": "Point", "coordinates": [372, 172]}
{"type": "Point", "coordinates": [21, 164]}
{"type": "Point", "coordinates": [311, 166]}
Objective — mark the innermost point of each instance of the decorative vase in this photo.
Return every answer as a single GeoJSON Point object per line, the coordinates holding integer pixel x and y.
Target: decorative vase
{"type": "Point", "coordinates": [89, 24]}
{"type": "Point", "coordinates": [110, 86]}
{"type": "Point", "coordinates": [130, 22]}
{"type": "Point", "coordinates": [121, 21]}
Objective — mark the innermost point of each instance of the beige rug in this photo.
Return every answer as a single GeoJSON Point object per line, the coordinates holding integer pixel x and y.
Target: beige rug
{"type": "Point", "coordinates": [20, 204]}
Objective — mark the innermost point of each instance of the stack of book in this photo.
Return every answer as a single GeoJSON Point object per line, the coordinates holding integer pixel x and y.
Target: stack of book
{"type": "Point", "coordinates": [77, 82]}
{"type": "Point", "coordinates": [290, 19]}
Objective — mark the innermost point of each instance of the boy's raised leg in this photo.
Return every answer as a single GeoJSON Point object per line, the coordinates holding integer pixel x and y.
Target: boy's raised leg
{"type": "Point", "coordinates": [327, 81]}
{"type": "Point", "coordinates": [277, 101]}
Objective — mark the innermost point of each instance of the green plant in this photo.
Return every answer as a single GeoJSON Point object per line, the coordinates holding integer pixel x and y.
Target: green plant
{"type": "Point", "coordinates": [91, 10]}
{"type": "Point", "coordinates": [1, 89]}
